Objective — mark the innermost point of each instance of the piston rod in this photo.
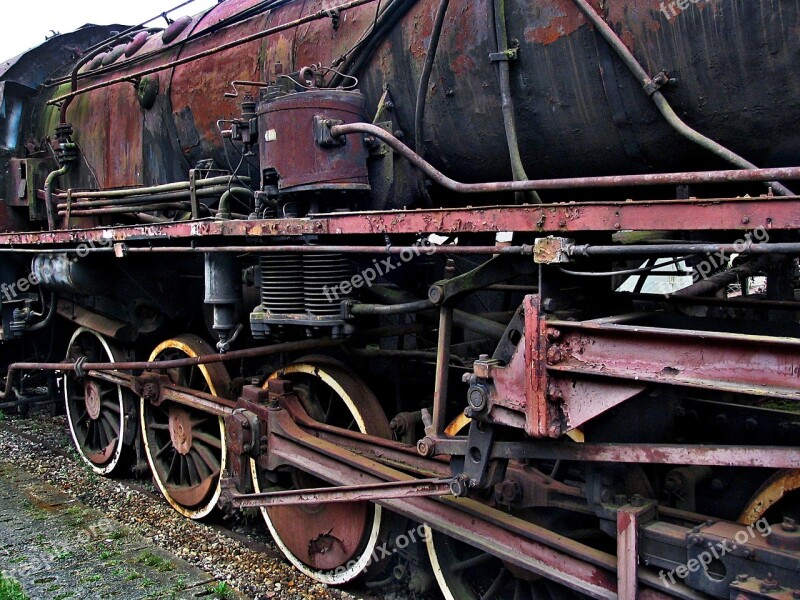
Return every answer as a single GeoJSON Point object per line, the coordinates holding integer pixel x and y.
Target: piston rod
{"type": "Point", "coordinates": [371, 492]}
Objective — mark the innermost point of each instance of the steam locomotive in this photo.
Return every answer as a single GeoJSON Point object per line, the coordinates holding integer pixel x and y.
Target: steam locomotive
{"type": "Point", "coordinates": [522, 274]}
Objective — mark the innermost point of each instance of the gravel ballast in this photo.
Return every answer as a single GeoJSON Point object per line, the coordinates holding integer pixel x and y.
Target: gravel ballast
{"type": "Point", "coordinates": [41, 448]}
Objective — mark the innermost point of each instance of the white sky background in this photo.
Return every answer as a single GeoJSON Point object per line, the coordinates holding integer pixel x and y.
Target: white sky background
{"type": "Point", "coordinates": [25, 24]}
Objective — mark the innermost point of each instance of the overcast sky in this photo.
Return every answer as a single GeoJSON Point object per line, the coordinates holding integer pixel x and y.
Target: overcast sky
{"type": "Point", "coordinates": [25, 24]}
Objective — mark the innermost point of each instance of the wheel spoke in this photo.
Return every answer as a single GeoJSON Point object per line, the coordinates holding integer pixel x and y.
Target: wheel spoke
{"type": "Point", "coordinates": [85, 436]}
{"type": "Point", "coordinates": [182, 474]}
{"type": "Point", "coordinates": [518, 590]}
{"type": "Point", "coordinates": [111, 421]}
{"type": "Point", "coordinates": [164, 449]}
{"type": "Point", "coordinates": [101, 434]}
{"type": "Point", "coordinates": [108, 431]}
{"type": "Point", "coordinates": [469, 563]}
{"type": "Point", "coordinates": [111, 405]}
{"type": "Point", "coordinates": [191, 470]}
{"type": "Point", "coordinates": [190, 382]}
{"type": "Point", "coordinates": [203, 469]}
{"type": "Point", "coordinates": [207, 457]}
{"type": "Point", "coordinates": [172, 465]}
{"type": "Point", "coordinates": [207, 439]}
{"type": "Point", "coordinates": [497, 584]}
{"type": "Point", "coordinates": [196, 423]}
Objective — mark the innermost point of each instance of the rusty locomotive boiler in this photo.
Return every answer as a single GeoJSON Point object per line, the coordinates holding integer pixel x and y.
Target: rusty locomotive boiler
{"type": "Point", "coordinates": [520, 277]}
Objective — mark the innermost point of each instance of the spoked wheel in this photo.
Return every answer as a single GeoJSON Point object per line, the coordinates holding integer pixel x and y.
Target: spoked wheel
{"type": "Point", "coordinates": [332, 543]}
{"type": "Point", "coordinates": [96, 410]}
{"type": "Point", "coordinates": [185, 446]}
{"type": "Point", "coordinates": [466, 573]}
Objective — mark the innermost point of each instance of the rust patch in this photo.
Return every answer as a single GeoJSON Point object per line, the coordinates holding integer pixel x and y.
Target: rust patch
{"type": "Point", "coordinates": [634, 19]}
{"type": "Point", "coordinates": [422, 29]}
{"type": "Point", "coordinates": [465, 37]}
{"type": "Point", "coordinates": [551, 21]}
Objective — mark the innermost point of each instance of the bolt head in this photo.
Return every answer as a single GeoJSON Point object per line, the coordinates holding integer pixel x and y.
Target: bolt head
{"type": "Point", "coordinates": [553, 335]}
{"type": "Point", "coordinates": [477, 398]}
{"type": "Point", "coordinates": [459, 487]}
{"type": "Point", "coordinates": [436, 294]}
{"type": "Point", "coordinates": [425, 447]}
{"type": "Point", "coordinates": [555, 356]}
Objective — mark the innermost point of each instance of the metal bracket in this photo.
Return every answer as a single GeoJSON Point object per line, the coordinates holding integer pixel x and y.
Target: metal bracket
{"type": "Point", "coordinates": [148, 386]}
{"type": "Point", "coordinates": [551, 250]}
{"type": "Point", "coordinates": [479, 452]}
{"type": "Point", "coordinates": [507, 56]}
{"type": "Point", "coordinates": [496, 270]}
{"type": "Point", "coordinates": [322, 133]}
{"type": "Point", "coordinates": [658, 82]}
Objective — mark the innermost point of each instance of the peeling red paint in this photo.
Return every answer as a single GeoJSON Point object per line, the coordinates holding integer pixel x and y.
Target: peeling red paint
{"type": "Point", "coordinates": [548, 22]}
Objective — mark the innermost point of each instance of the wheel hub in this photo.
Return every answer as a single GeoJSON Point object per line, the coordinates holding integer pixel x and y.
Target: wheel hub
{"type": "Point", "coordinates": [180, 430]}
{"type": "Point", "coordinates": [92, 397]}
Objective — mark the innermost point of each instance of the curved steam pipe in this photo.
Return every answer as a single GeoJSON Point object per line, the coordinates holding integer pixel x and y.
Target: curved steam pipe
{"type": "Point", "coordinates": [48, 194]}
{"type": "Point", "coordinates": [50, 314]}
{"type": "Point", "coordinates": [224, 211]}
{"type": "Point", "coordinates": [699, 177]}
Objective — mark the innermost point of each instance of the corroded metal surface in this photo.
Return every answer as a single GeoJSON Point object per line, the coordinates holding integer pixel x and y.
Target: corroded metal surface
{"type": "Point", "coordinates": [677, 215]}
{"type": "Point", "coordinates": [565, 81]}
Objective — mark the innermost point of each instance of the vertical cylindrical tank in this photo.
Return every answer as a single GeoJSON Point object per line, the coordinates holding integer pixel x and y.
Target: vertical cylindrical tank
{"type": "Point", "coordinates": [295, 147]}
